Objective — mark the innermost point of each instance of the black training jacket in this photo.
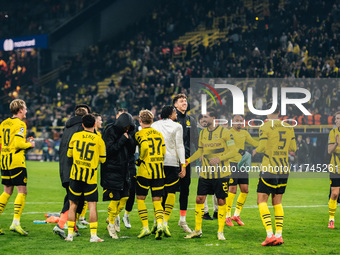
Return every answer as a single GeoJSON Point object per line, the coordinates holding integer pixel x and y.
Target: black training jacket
{"type": "Point", "coordinates": [73, 125]}
{"type": "Point", "coordinates": [190, 133]}
{"type": "Point", "coordinates": [114, 172]}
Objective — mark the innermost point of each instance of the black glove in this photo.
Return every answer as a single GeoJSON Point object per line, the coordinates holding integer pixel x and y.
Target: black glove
{"type": "Point", "coordinates": [241, 152]}
{"type": "Point", "coordinates": [139, 162]}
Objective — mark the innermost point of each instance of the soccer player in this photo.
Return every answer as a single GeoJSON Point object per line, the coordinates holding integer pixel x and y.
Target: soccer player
{"type": "Point", "coordinates": [240, 176]}
{"type": "Point", "coordinates": [150, 174]}
{"type": "Point", "coordinates": [275, 143]}
{"type": "Point", "coordinates": [114, 172]}
{"type": "Point", "coordinates": [334, 151]}
{"type": "Point", "coordinates": [174, 159]}
{"type": "Point", "coordinates": [82, 223]}
{"type": "Point", "coordinates": [87, 149]}
{"type": "Point", "coordinates": [13, 167]}
{"type": "Point", "coordinates": [73, 125]}
{"type": "Point", "coordinates": [217, 147]}
{"type": "Point", "coordinates": [190, 139]}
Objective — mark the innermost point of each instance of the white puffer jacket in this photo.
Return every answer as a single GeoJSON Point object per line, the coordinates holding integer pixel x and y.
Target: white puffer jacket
{"type": "Point", "coordinates": [173, 139]}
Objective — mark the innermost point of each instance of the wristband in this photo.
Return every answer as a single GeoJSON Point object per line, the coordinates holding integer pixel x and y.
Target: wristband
{"type": "Point", "coordinates": [241, 152]}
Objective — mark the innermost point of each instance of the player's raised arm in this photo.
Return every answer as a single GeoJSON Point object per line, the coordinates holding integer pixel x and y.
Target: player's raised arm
{"type": "Point", "coordinates": [251, 140]}
{"type": "Point", "coordinates": [102, 151]}
{"type": "Point", "coordinates": [333, 141]}
{"type": "Point", "coordinates": [263, 141]}
{"type": "Point", "coordinates": [179, 145]}
{"type": "Point", "coordinates": [144, 146]}
{"type": "Point", "coordinates": [19, 139]}
{"type": "Point", "coordinates": [195, 156]}
{"type": "Point", "coordinates": [163, 145]}
{"type": "Point", "coordinates": [292, 145]}
{"type": "Point", "coordinates": [232, 149]}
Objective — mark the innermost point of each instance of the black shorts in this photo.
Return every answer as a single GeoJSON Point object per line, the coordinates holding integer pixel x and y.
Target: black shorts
{"type": "Point", "coordinates": [14, 177]}
{"type": "Point", "coordinates": [334, 179]}
{"type": "Point", "coordinates": [219, 187]}
{"type": "Point", "coordinates": [171, 181]}
{"type": "Point", "coordinates": [272, 183]}
{"type": "Point", "coordinates": [144, 184]}
{"type": "Point", "coordinates": [79, 189]}
{"type": "Point", "coordinates": [116, 195]}
{"type": "Point", "coordinates": [237, 176]}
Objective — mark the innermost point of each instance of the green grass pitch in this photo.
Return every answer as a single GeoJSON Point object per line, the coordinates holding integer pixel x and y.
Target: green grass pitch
{"type": "Point", "coordinates": [305, 224]}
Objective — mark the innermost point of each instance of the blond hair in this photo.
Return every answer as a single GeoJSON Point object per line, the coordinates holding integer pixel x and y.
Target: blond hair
{"type": "Point", "coordinates": [16, 105]}
{"type": "Point", "coordinates": [146, 117]}
{"type": "Point", "coordinates": [336, 113]}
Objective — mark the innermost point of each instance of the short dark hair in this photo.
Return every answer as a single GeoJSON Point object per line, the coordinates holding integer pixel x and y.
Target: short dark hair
{"type": "Point", "coordinates": [88, 120]}
{"type": "Point", "coordinates": [212, 112]}
{"type": "Point", "coordinates": [167, 110]}
{"type": "Point", "coordinates": [237, 115]}
{"type": "Point", "coordinates": [83, 106]}
{"type": "Point", "coordinates": [178, 96]}
{"type": "Point", "coordinates": [96, 115]}
{"type": "Point", "coordinates": [81, 111]}
{"type": "Point", "coordinates": [123, 110]}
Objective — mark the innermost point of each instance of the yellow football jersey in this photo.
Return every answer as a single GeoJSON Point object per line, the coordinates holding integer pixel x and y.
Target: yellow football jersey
{"type": "Point", "coordinates": [13, 143]}
{"type": "Point", "coordinates": [275, 143]}
{"type": "Point", "coordinates": [241, 137]}
{"type": "Point", "coordinates": [87, 150]}
{"type": "Point", "coordinates": [151, 151]}
{"type": "Point", "coordinates": [334, 165]}
{"type": "Point", "coordinates": [212, 144]}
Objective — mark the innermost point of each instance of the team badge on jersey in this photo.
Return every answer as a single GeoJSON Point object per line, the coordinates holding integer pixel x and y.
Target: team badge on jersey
{"type": "Point", "coordinates": [22, 130]}
{"type": "Point", "coordinates": [188, 123]}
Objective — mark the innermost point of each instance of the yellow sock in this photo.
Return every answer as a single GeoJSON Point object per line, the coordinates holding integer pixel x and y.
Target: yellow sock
{"type": "Point", "coordinates": [70, 225]}
{"type": "Point", "coordinates": [158, 212]}
{"type": "Point", "coordinates": [266, 219]}
{"type": "Point", "coordinates": [122, 203]}
{"type": "Point", "coordinates": [240, 202]}
{"type": "Point", "coordinates": [221, 217]}
{"type": "Point", "coordinates": [3, 201]}
{"type": "Point", "coordinates": [113, 211]}
{"type": "Point", "coordinates": [229, 203]}
{"type": "Point", "coordinates": [19, 205]}
{"type": "Point", "coordinates": [278, 219]}
{"type": "Point", "coordinates": [126, 212]}
{"type": "Point", "coordinates": [93, 228]}
{"type": "Point", "coordinates": [143, 213]}
{"type": "Point", "coordinates": [169, 205]}
{"type": "Point", "coordinates": [332, 207]}
{"type": "Point", "coordinates": [199, 212]}
{"type": "Point", "coordinates": [83, 212]}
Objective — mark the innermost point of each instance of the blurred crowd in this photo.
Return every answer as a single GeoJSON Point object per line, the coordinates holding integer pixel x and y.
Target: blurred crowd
{"type": "Point", "coordinates": [22, 18]}
{"type": "Point", "coordinates": [297, 40]}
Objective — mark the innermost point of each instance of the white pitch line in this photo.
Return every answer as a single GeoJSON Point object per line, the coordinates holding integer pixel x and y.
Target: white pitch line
{"type": "Point", "coordinates": [176, 209]}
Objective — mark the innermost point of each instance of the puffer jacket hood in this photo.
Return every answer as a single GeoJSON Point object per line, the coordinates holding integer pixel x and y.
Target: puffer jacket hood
{"type": "Point", "coordinates": [124, 120]}
{"type": "Point", "coordinates": [73, 121]}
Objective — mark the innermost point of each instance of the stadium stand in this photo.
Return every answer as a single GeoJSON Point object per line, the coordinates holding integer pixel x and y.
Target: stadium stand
{"type": "Point", "coordinates": [157, 56]}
